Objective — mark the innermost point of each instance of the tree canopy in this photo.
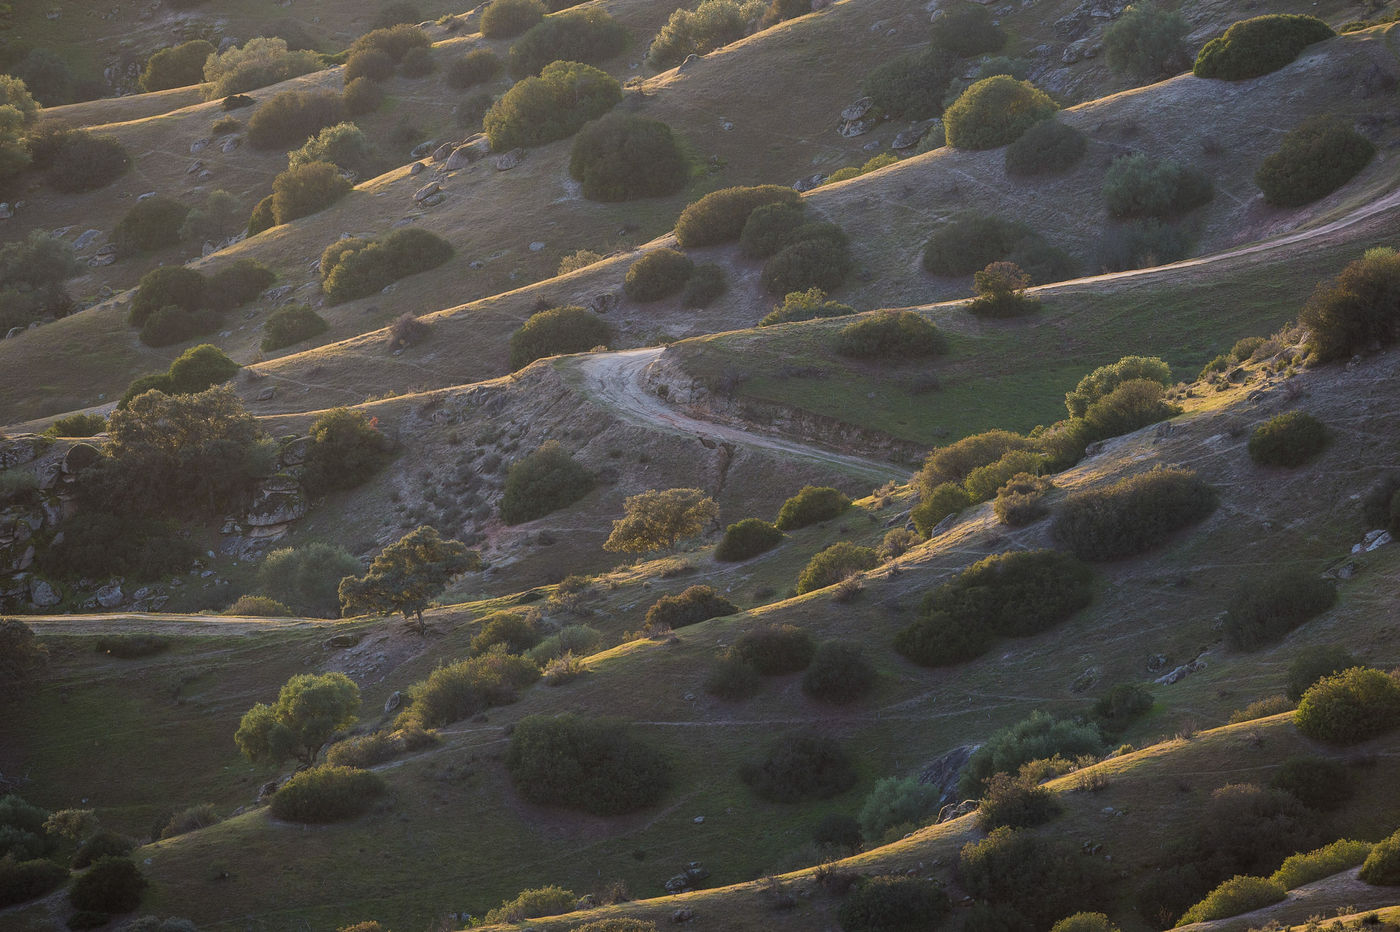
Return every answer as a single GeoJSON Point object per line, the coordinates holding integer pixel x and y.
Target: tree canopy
{"type": "Point", "coordinates": [657, 520]}
{"type": "Point", "coordinates": [309, 709]}
{"type": "Point", "coordinates": [408, 573]}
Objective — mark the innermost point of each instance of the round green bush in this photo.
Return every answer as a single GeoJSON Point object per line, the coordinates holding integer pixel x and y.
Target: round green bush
{"type": "Point", "coordinates": [805, 305]}
{"type": "Point", "coordinates": [657, 274]}
{"type": "Point", "coordinates": [1085, 922]}
{"type": "Point", "coordinates": [343, 145]}
{"type": "Point", "coordinates": [967, 29]}
{"type": "Point", "coordinates": [1015, 803]}
{"type": "Point", "coordinates": [837, 562]}
{"type": "Point", "coordinates": [1046, 148]}
{"type": "Point", "coordinates": [25, 880]}
{"type": "Point", "coordinates": [935, 639]}
{"type": "Point", "coordinates": [886, 334]}
{"type": "Point", "coordinates": [290, 118]}
{"type": "Point", "coordinates": [236, 284]}
{"type": "Point", "coordinates": [720, 216]}
{"type": "Point", "coordinates": [1015, 594]}
{"type": "Point", "coordinates": [1312, 664]}
{"type": "Point", "coordinates": [1382, 866]}
{"type": "Point", "coordinates": [801, 767]}
{"type": "Point", "coordinates": [517, 631]}
{"type": "Point", "coordinates": [262, 217]}
{"type": "Point", "coordinates": [1258, 46]}
{"type": "Point", "coordinates": [621, 156]}
{"type": "Point", "coordinates": [1133, 515]}
{"type": "Point", "coordinates": [590, 764]}
{"type": "Point", "coordinates": [775, 650]}
{"type": "Point", "coordinates": [1317, 782]}
{"type": "Point", "coordinates": [150, 225]}
{"type": "Point", "coordinates": [770, 228]}
{"type": "Point", "coordinates": [369, 63]}
{"type": "Point", "coordinates": [1138, 186]}
{"type": "Point", "coordinates": [1357, 309]}
{"type": "Point", "coordinates": [111, 885]}
{"type": "Point", "coordinates": [970, 242]}
{"type": "Point", "coordinates": [1041, 879]}
{"type": "Point", "coordinates": [476, 67]}
{"type": "Point", "coordinates": [1103, 380]}
{"type": "Point", "coordinates": [1350, 706]}
{"type": "Point", "coordinates": [346, 449]}
{"type": "Point", "coordinates": [944, 499]}
{"type": "Point", "coordinates": [1316, 158]}
{"type": "Point", "coordinates": [177, 66]}
{"type": "Point", "coordinates": [306, 189]}
{"type": "Point", "coordinates": [995, 111]}
{"type": "Point", "coordinates": [395, 41]}
{"type": "Point", "coordinates": [544, 481]}
{"type": "Point", "coordinates": [417, 63]}
{"type": "Point", "coordinates": [171, 325]}
{"type": "Point", "coordinates": [1147, 42]}
{"type": "Point", "coordinates": [692, 606]}
{"type": "Point", "coordinates": [554, 105]}
{"type": "Point", "coordinates": [616, 925]}
{"type": "Point", "coordinates": [807, 263]}
{"type": "Point", "coordinates": [105, 844]}
{"type": "Point", "coordinates": [911, 87]}
{"type": "Point", "coordinates": [810, 505]}
{"type": "Point", "coordinates": [1021, 500]}
{"type": "Point", "coordinates": [732, 679]}
{"type": "Point", "coordinates": [200, 367]}
{"type": "Point", "coordinates": [1267, 607]}
{"type": "Point", "coordinates": [1306, 867]}
{"type": "Point", "coordinates": [1289, 440]}
{"type": "Point", "coordinates": [327, 794]}
{"type": "Point", "coordinates": [893, 904]}
{"type": "Point", "coordinates": [839, 673]}
{"type": "Point", "coordinates": [589, 36]}
{"type": "Point", "coordinates": [712, 24]}
{"type": "Point", "coordinates": [361, 96]}
{"type": "Point", "coordinates": [1240, 894]}
{"type": "Point", "coordinates": [354, 268]}
{"type": "Point", "coordinates": [706, 284]}
{"type": "Point", "coordinates": [84, 162]}
{"type": "Point", "coordinates": [1142, 243]}
{"type": "Point", "coordinates": [506, 19]}
{"type": "Point", "coordinates": [747, 538]}
{"type": "Point", "coordinates": [291, 324]}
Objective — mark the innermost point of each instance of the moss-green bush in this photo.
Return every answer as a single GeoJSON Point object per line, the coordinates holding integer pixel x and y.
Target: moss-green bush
{"type": "Point", "coordinates": [1085, 922]}
{"type": "Point", "coordinates": [944, 499]}
{"type": "Point", "coordinates": [1134, 514]}
{"type": "Point", "coordinates": [81, 162]}
{"type": "Point", "coordinates": [553, 106]}
{"type": "Point", "coordinates": [171, 325]}
{"type": "Point", "coordinates": [995, 111]}
{"type": "Point", "coordinates": [1021, 500]}
{"type": "Point", "coordinates": [1268, 607]}
{"type": "Point", "coordinates": [747, 538]}
{"type": "Point", "coordinates": [162, 287]}
{"type": "Point", "coordinates": [1041, 879]}
{"type": "Point", "coordinates": [356, 268]}
{"type": "Point", "coordinates": [1015, 803]}
{"type": "Point", "coordinates": [691, 606]}
{"type": "Point", "coordinates": [774, 650]}
{"type": "Point", "coordinates": [417, 63]}
{"type": "Point", "coordinates": [706, 284]}
{"type": "Point", "coordinates": [984, 481]}
{"type": "Point", "coordinates": [893, 904]}
{"type": "Point", "coordinates": [821, 262]}
{"type": "Point", "coordinates": [1015, 594]}
{"type": "Point", "coordinates": [1311, 664]}
{"type": "Point", "coordinates": [1306, 867]}
{"type": "Point", "coordinates": [835, 563]}
{"type": "Point", "coordinates": [556, 331]}
{"type": "Point", "coordinates": [1289, 440]}
{"type": "Point", "coordinates": [711, 25]}
{"type": "Point", "coordinates": [517, 631]}
{"type": "Point", "coordinates": [1147, 42]}
{"type": "Point", "coordinates": [290, 324]}
{"type": "Point", "coordinates": [720, 216]}
{"type": "Point", "coordinates": [306, 189]}
{"type": "Point", "coordinates": [327, 794]}
{"type": "Point", "coordinates": [839, 673]}
{"type": "Point", "coordinates": [594, 765]}
{"type": "Point", "coordinates": [346, 448]}
{"type": "Point", "coordinates": [361, 96]}
{"type": "Point", "coordinates": [955, 461]}
{"type": "Point", "coordinates": [534, 904]}
{"type": "Point", "coordinates": [506, 19]}
{"type": "Point", "coordinates": [967, 29]}
{"type": "Point", "coordinates": [1046, 148]}
{"type": "Point", "coordinates": [621, 156]}
{"type": "Point", "coordinates": [911, 86]}
{"type": "Point", "coordinates": [177, 66]}
{"type": "Point", "coordinates": [1382, 866]}
{"type": "Point", "coordinates": [1103, 380]}
{"type": "Point", "coordinates": [1237, 895]}
{"type": "Point", "coordinates": [343, 145]}
{"type": "Point", "coordinates": [236, 284]}
{"type": "Point", "coordinates": [396, 40]}
{"type": "Point", "coordinates": [1350, 706]}
{"type": "Point", "coordinates": [371, 64]}
{"type": "Point", "coordinates": [546, 480]}
{"type": "Point", "coordinates": [151, 224]}
{"type": "Point", "coordinates": [25, 880]}
{"type": "Point", "coordinates": [970, 242]}
{"type": "Point", "coordinates": [111, 885]}
{"type": "Point", "coordinates": [590, 36]}
{"type": "Point", "coordinates": [1357, 309]}
{"type": "Point", "coordinates": [769, 228]}
{"type": "Point", "coordinates": [476, 67]}
{"type": "Point", "coordinates": [658, 274]}
{"type": "Point", "coordinates": [290, 118]}
{"type": "Point", "coordinates": [1142, 243]}
{"type": "Point", "coordinates": [1316, 782]}
{"type": "Point", "coordinates": [731, 679]}
{"type": "Point", "coordinates": [1316, 158]}
{"type": "Point", "coordinates": [805, 305]}
{"type": "Point", "coordinates": [1254, 47]}
{"type": "Point", "coordinates": [935, 639]}
{"type": "Point", "coordinates": [810, 505]}
{"type": "Point", "coordinates": [895, 804]}
{"type": "Point", "coordinates": [1139, 186]}
{"type": "Point", "coordinates": [891, 334]}
{"type": "Point", "coordinates": [1039, 736]}
{"type": "Point", "coordinates": [799, 768]}
{"type": "Point", "coordinates": [465, 688]}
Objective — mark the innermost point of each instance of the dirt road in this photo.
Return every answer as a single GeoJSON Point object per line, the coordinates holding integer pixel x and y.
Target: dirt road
{"type": "Point", "coordinates": [149, 623]}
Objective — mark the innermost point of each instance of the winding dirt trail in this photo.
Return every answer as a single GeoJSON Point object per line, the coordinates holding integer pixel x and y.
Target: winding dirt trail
{"type": "Point", "coordinates": [154, 623]}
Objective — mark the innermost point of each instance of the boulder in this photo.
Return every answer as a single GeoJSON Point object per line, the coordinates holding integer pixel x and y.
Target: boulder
{"type": "Point", "coordinates": [472, 150]}
{"type": "Point", "coordinates": [87, 238]}
{"type": "Point", "coordinates": [427, 191]}
{"type": "Point", "coordinates": [510, 160]}
{"type": "Point", "coordinates": [907, 139]}
{"type": "Point", "coordinates": [433, 200]}
{"type": "Point", "coordinates": [858, 109]}
{"type": "Point", "coordinates": [393, 702]}
{"type": "Point", "coordinates": [79, 457]}
{"type": "Point", "coordinates": [110, 596]}
{"type": "Point", "coordinates": [280, 500]}
{"type": "Point", "coordinates": [604, 302]}
{"type": "Point", "coordinates": [852, 128]}
{"type": "Point", "coordinates": [21, 449]}
{"type": "Point", "coordinates": [944, 772]}
{"type": "Point", "coordinates": [293, 452]}
{"type": "Point", "coordinates": [810, 182]}
{"type": "Point", "coordinates": [230, 144]}
{"type": "Point", "coordinates": [416, 169]}
{"type": "Point", "coordinates": [441, 153]}
{"type": "Point", "coordinates": [42, 594]}
{"type": "Point", "coordinates": [423, 149]}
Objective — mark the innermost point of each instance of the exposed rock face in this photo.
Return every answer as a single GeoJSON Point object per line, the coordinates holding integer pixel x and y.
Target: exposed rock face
{"type": "Point", "coordinates": [472, 150]}
{"type": "Point", "coordinates": [694, 873]}
{"type": "Point", "coordinates": [427, 191]}
{"type": "Point", "coordinates": [110, 596]}
{"type": "Point", "coordinates": [944, 772]}
{"type": "Point", "coordinates": [510, 160]}
{"type": "Point", "coordinates": [278, 502]}
{"type": "Point", "coordinates": [42, 594]}
{"type": "Point", "coordinates": [21, 449]}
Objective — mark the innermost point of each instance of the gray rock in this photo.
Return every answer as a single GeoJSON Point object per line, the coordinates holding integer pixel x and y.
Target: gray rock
{"type": "Point", "coordinates": [690, 62]}
{"type": "Point", "coordinates": [416, 169]}
{"type": "Point", "coordinates": [1373, 541]}
{"type": "Point", "coordinates": [944, 772]}
{"type": "Point", "coordinates": [510, 160]}
{"type": "Point", "coordinates": [684, 914]}
{"type": "Point", "coordinates": [907, 139]}
{"type": "Point", "coordinates": [858, 109]}
{"type": "Point", "coordinates": [198, 146]}
{"type": "Point", "coordinates": [603, 303]}
{"type": "Point", "coordinates": [810, 182]}
{"type": "Point", "coordinates": [393, 702]}
{"type": "Point", "coordinates": [267, 394]}
{"type": "Point", "coordinates": [231, 143]}
{"type": "Point", "coordinates": [20, 449]}
{"type": "Point", "coordinates": [279, 501]}
{"type": "Point", "coordinates": [427, 191]}
{"type": "Point", "coordinates": [100, 260]}
{"type": "Point", "coordinates": [423, 149]}
{"type": "Point", "coordinates": [441, 153]}
{"type": "Point", "coordinates": [537, 245]}
{"type": "Point", "coordinates": [433, 200]}
{"type": "Point", "coordinates": [146, 197]}
{"type": "Point", "coordinates": [42, 594]}
{"type": "Point", "coordinates": [293, 452]}
{"type": "Point", "coordinates": [853, 128]}
{"type": "Point", "coordinates": [473, 150]}
{"type": "Point", "coordinates": [110, 596]}
{"type": "Point", "coordinates": [6, 211]}
{"type": "Point", "coordinates": [86, 239]}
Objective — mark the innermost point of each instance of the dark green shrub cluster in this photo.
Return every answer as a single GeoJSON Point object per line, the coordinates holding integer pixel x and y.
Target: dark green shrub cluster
{"type": "Point", "coordinates": [506, 19]}
{"type": "Point", "coordinates": [463, 689]}
{"type": "Point", "coordinates": [954, 462]}
{"type": "Point", "coordinates": [1141, 244]}
{"type": "Point", "coordinates": [557, 331]}
{"type": "Point", "coordinates": [1290, 440]}
{"type": "Point", "coordinates": [1382, 865]}
{"type": "Point", "coordinates": [290, 118]}
{"type": "Point", "coordinates": [720, 216]}
{"type": "Point", "coordinates": [875, 163]}
{"type": "Point", "coordinates": [1147, 42]}
{"type": "Point", "coordinates": [77, 425]}
{"type": "Point", "coordinates": [1317, 782]}
{"type": "Point", "coordinates": [970, 242]}
{"type": "Point", "coordinates": [534, 904]}
{"type": "Point", "coordinates": [805, 305]}
{"type": "Point", "coordinates": [1316, 158]}
{"type": "Point", "coordinates": [305, 579]}
{"type": "Point", "coordinates": [97, 545]}
{"type": "Point", "coordinates": [32, 273]}
{"type": "Point", "coordinates": [290, 324]}
{"type": "Point", "coordinates": [1040, 736]}
{"type": "Point", "coordinates": [705, 284]}
{"type": "Point", "coordinates": [261, 61]}
{"type": "Point", "coordinates": [344, 145]}
{"type": "Point", "coordinates": [1237, 895]}
{"type": "Point", "coordinates": [658, 274]}
{"type": "Point", "coordinates": [546, 480]}
{"type": "Point", "coordinates": [1312, 664]}
{"type": "Point", "coordinates": [801, 767]}
{"type": "Point", "coordinates": [111, 885]}
{"type": "Point", "coordinates": [731, 679]}
{"type": "Point", "coordinates": [1001, 292]}
{"type": "Point", "coordinates": [893, 904]}
{"type": "Point", "coordinates": [395, 41]}
{"type": "Point", "coordinates": [810, 505]}
{"type": "Point", "coordinates": [1254, 47]}
{"type": "Point", "coordinates": [1132, 515]}
{"type": "Point", "coordinates": [896, 806]}
{"type": "Point", "coordinates": [194, 370]}
{"type": "Point", "coordinates": [417, 63]}
{"type": "Point", "coordinates": [747, 538]}
{"type": "Point", "coordinates": [174, 303]}
{"type": "Point", "coordinates": [1308, 866]}
{"type": "Point", "coordinates": [150, 225]}
{"type": "Point", "coordinates": [995, 111]}
{"type": "Point", "coordinates": [554, 105]}
{"type": "Point", "coordinates": [886, 334]}
{"type": "Point", "coordinates": [1105, 379]}
{"type": "Point", "coordinates": [1357, 309]}
{"type": "Point", "coordinates": [590, 764]}
{"type": "Point", "coordinates": [839, 673]}
{"type": "Point", "coordinates": [22, 832]}
{"type": "Point", "coordinates": [967, 29]}
{"type": "Point", "coordinates": [816, 255]}
{"type": "Point", "coordinates": [327, 794]}
{"type": "Point", "coordinates": [912, 86]}
{"type": "Point", "coordinates": [1021, 500]}
{"type": "Point", "coordinates": [1015, 803]}
{"type": "Point", "coordinates": [476, 67]}
{"type": "Point", "coordinates": [769, 228]}
{"type": "Point", "coordinates": [74, 160]}
{"type": "Point", "coordinates": [589, 36]}
{"type": "Point", "coordinates": [1085, 922]}
{"type": "Point", "coordinates": [176, 66]}
{"type": "Point", "coordinates": [517, 631]}
{"type": "Point", "coordinates": [1046, 148]}
{"type": "Point", "coordinates": [774, 650]}
{"type": "Point", "coordinates": [360, 96]}
{"type": "Point", "coordinates": [1139, 186]}
{"type": "Point", "coordinates": [355, 268]}
{"type": "Point", "coordinates": [711, 25]}
{"type": "Point", "coordinates": [778, 11]}
{"type": "Point", "coordinates": [1118, 707]}
{"type": "Point", "coordinates": [371, 64]}
{"type": "Point", "coordinates": [692, 606]}
{"type": "Point", "coordinates": [841, 560]}
{"type": "Point", "coordinates": [1350, 706]}
{"type": "Point", "coordinates": [1268, 608]}
{"type": "Point", "coordinates": [1034, 879]}
{"type": "Point", "coordinates": [21, 881]}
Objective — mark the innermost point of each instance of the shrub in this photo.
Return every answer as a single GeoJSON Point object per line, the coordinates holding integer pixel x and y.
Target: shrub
{"type": "Point", "coordinates": [835, 563]}
{"type": "Point", "coordinates": [589, 764]}
{"type": "Point", "coordinates": [720, 216]}
{"type": "Point", "coordinates": [361, 269]}
{"type": "Point", "coordinates": [1267, 609]}
{"type": "Point", "coordinates": [1046, 148]}
{"type": "Point", "coordinates": [257, 605]}
{"type": "Point", "coordinates": [1290, 440]}
{"type": "Point", "coordinates": [936, 640]}
{"type": "Point", "coordinates": [162, 287]}
{"type": "Point", "coordinates": [259, 62]}
{"type": "Point", "coordinates": [77, 425]}
{"type": "Point", "coordinates": [343, 145]}
{"type": "Point", "coordinates": [307, 189]}
{"type": "Point", "coordinates": [897, 804]}
{"type": "Point", "coordinates": [712, 24]}
{"type": "Point", "coordinates": [476, 67]}
{"type": "Point", "coordinates": [692, 606]}
{"type": "Point", "coordinates": [1350, 706]}
{"type": "Point", "coordinates": [807, 263]}
{"type": "Point", "coordinates": [291, 324]}
{"type": "Point", "coordinates": [893, 904]}
{"type": "Point", "coordinates": [98, 545]}
{"type": "Point", "coordinates": [953, 463]}
{"type": "Point", "coordinates": [1134, 514]}
{"type": "Point", "coordinates": [805, 305]}
{"type": "Point", "coordinates": [1316, 158]}
{"type": "Point", "coordinates": [589, 36]}
{"type": "Point", "coordinates": [620, 156]}
{"type": "Point", "coordinates": [395, 13]}
{"type": "Point", "coordinates": [967, 29]}
{"type": "Point", "coordinates": [1254, 47]}
{"type": "Point", "coordinates": [944, 499]}
{"type": "Point", "coordinates": [1015, 803]}
{"type": "Point", "coordinates": [546, 480]}
{"type": "Point", "coordinates": [516, 630]}
{"type": "Point", "coordinates": [26, 880]}
{"type": "Point", "coordinates": [191, 819]}
{"type": "Point", "coordinates": [705, 284]}
{"type": "Point", "coordinates": [554, 105]}
{"type": "Point", "coordinates": [395, 41]}
{"type": "Point", "coordinates": [912, 86]}
{"type": "Point", "coordinates": [801, 767]}
{"type": "Point", "coordinates": [1237, 895]}
{"type": "Point", "coordinates": [111, 885]}
{"type": "Point", "coordinates": [1138, 186]}
{"type": "Point", "coordinates": [995, 111]}
{"type": "Point", "coordinates": [900, 334]}
{"type": "Point", "coordinates": [1038, 737]}
{"type": "Point", "coordinates": [1001, 292]}
{"type": "Point", "coordinates": [747, 538]}
{"type": "Point", "coordinates": [1142, 243]}
{"type": "Point", "coordinates": [417, 63]}
{"type": "Point", "coordinates": [1357, 309]}
{"type": "Point", "coordinates": [970, 242]}
{"type": "Point", "coordinates": [217, 220]}
{"type": "Point", "coordinates": [1147, 42]}
{"type": "Point", "coordinates": [1014, 594]}
{"type": "Point", "coordinates": [1021, 500]}
{"type": "Point", "coordinates": [1085, 922]}
{"type": "Point", "coordinates": [1262, 708]}
{"type": "Point", "coordinates": [1131, 405]}
{"type": "Point", "coordinates": [306, 578]}
{"type": "Point", "coordinates": [150, 225]}
{"type": "Point", "coordinates": [616, 925]}
{"type": "Point", "coordinates": [171, 325]}
{"type": "Point", "coordinates": [1312, 664]}
{"type": "Point", "coordinates": [732, 679]}
{"type": "Point", "coordinates": [837, 831]}
{"type": "Point", "coordinates": [839, 673]}
{"type": "Point", "coordinates": [506, 19]}
{"type": "Point", "coordinates": [1105, 379]}
{"type": "Point", "coordinates": [778, 11]}
{"type": "Point", "coordinates": [1120, 705]}
{"type": "Point", "coordinates": [774, 650]}
{"type": "Point", "coordinates": [200, 367]}
{"type": "Point", "coordinates": [406, 331]}
{"type": "Point", "coordinates": [346, 449]}
{"type": "Point", "coordinates": [371, 64]}
{"type": "Point", "coordinates": [769, 228]}
{"type": "Point", "coordinates": [262, 217]}
{"type": "Point", "coordinates": [361, 96]}
{"type": "Point", "coordinates": [1038, 878]}
{"type": "Point", "coordinates": [327, 794]}
{"type": "Point", "coordinates": [810, 505]}
{"type": "Point", "coordinates": [534, 904]}
{"type": "Point", "coordinates": [1306, 867]}
{"type": "Point", "coordinates": [84, 162]}
{"type": "Point", "coordinates": [579, 640]}
{"type": "Point", "coordinates": [291, 117]}
{"type": "Point", "coordinates": [1317, 782]}
{"type": "Point", "coordinates": [1382, 866]}
{"type": "Point", "coordinates": [657, 274]}
{"type": "Point", "coordinates": [467, 687]}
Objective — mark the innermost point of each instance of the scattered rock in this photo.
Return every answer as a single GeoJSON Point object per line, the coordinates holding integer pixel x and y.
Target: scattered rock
{"type": "Point", "coordinates": [536, 246]}
{"type": "Point", "coordinates": [280, 500]}
{"type": "Point", "coordinates": [441, 153]}
{"type": "Point", "coordinates": [1372, 541]}
{"type": "Point", "coordinates": [416, 169]}
{"type": "Point", "coordinates": [473, 150]}
{"type": "Point", "coordinates": [907, 139]}
{"type": "Point", "coordinates": [698, 820]}
{"type": "Point", "coordinates": [423, 149]}
{"type": "Point", "coordinates": [6, 211]}
{"type": "Point", "coordinates": [944, 772]}
{"type": "Point", "coordinates": [427, 191]}
{"type": "Point", "coordinates": [86, 239]}
{"type": "Point", "coordinates": [1181, 672]}
{"type": "Point", "coordinates": [233, 142]}
{"type": "Point", "coordinates": [685, 913]}
{"type": "Point", "coordinates": [858, 109]}
{"type": "Point", "coordinates": [956, 810]}
{"type": "Point", "coordinates": [690, 62]}
{"type": "Point", "coordinates": [693, 874]}
{"type": "Point", "coordinates": [42, 594]}
{"type": "Point", "coordinates": [433, 200]}
{"type": "Point", "coordinates": [198, 146]}
{"type": "Point", "coordinates": [267, 394]}
{"type": "Point", "coordinates": [602, 303]}
{"type": "Point", "coordinates": [393, 702]}
{"type": "Point", "coordinates": [852, 128]}
{"type": "Point", "coordinates": [110, 596]}
{"type": "Point", "coordinates": [1156, 663]}
{"type": "Point", "coordinates": [510, 160]}
{"type": "Point", "coordinates": [810, 182]}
